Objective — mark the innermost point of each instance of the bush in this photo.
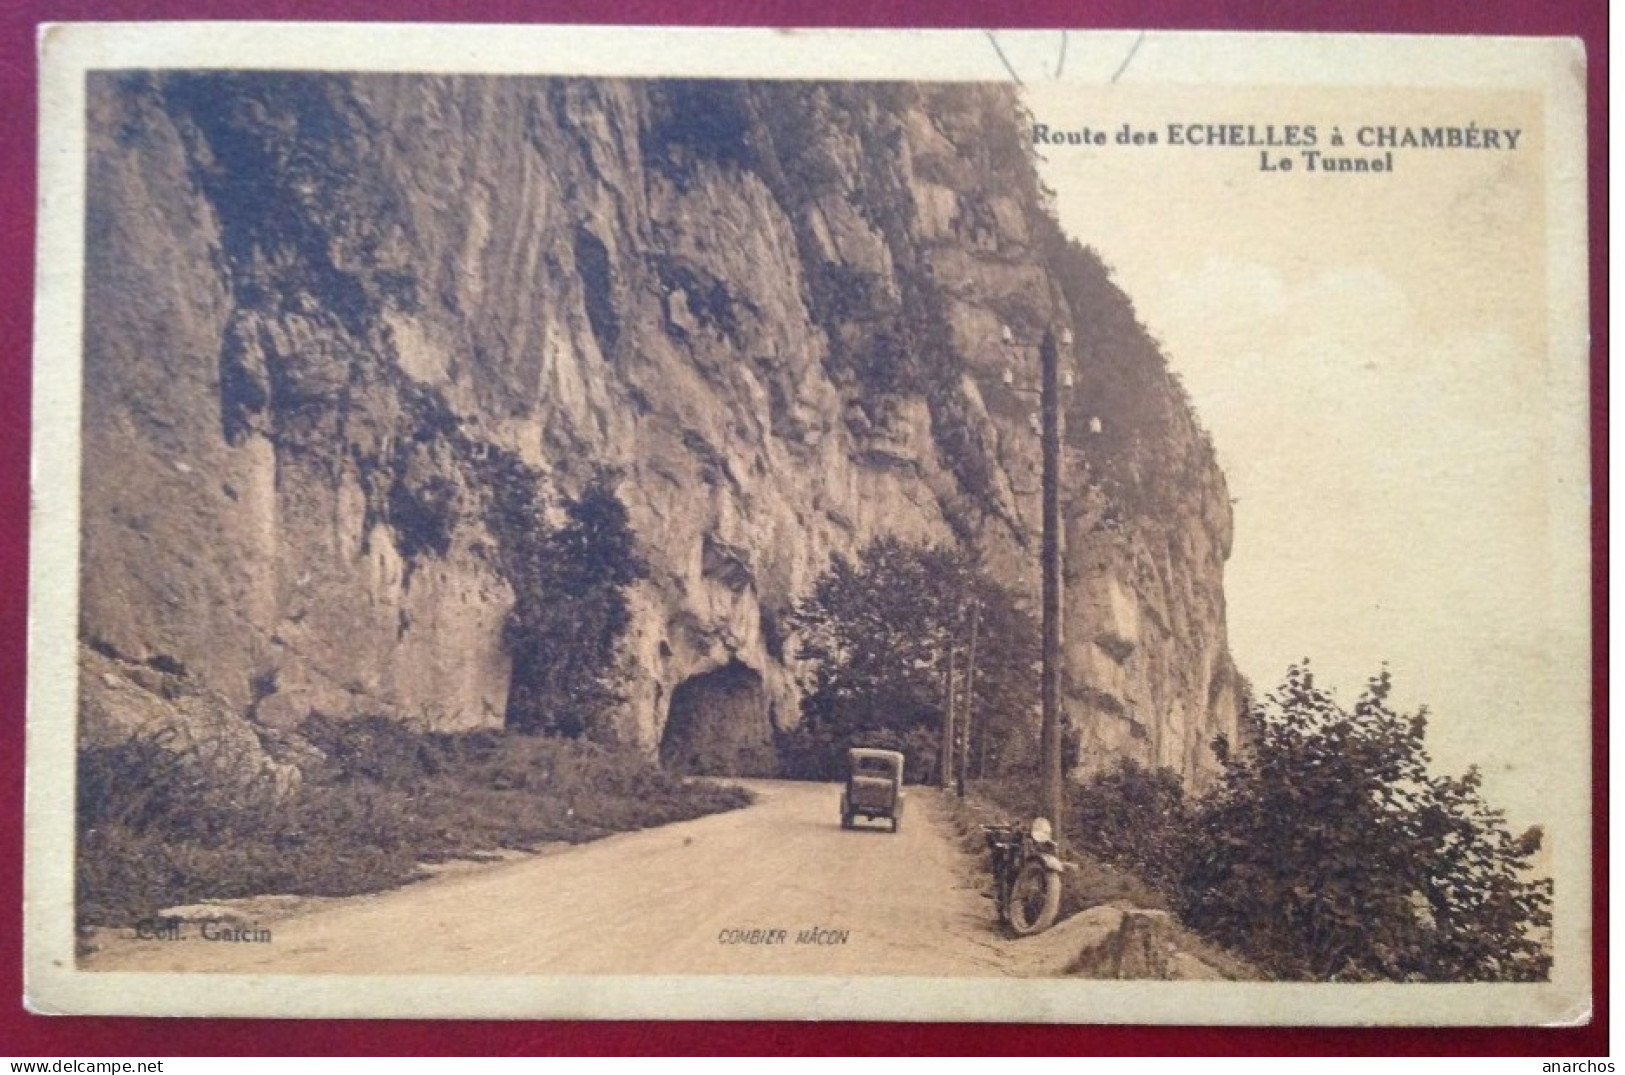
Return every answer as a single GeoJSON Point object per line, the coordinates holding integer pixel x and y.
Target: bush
{"type": "Point", "coordinates": [1329, 851]}
{"type": "Point", "coordinates": [881, 635]}
{"type": "Point", "coordinates": [570, 614]}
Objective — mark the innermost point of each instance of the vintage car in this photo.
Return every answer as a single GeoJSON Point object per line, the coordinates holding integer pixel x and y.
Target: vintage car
{"type": "Point", "coordinates": [874, 787]}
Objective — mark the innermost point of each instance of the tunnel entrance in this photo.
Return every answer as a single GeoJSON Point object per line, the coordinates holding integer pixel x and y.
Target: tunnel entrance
{"type": "Point", "coordinates": [718, 725]}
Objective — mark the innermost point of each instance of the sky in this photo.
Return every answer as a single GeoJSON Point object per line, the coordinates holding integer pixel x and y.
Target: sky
{"type": "Point", "coordinates": [1370, 352]}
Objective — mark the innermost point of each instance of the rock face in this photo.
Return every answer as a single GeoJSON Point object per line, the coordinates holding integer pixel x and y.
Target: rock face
{"type": "Point", "coordinates": [329, 317]}
{"type": "Point", "coordinates": [1116, 942]}
{"type": "Point", "coordinates": [1140, 947]}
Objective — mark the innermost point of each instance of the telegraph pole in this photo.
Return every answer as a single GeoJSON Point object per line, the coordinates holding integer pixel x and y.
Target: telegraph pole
{"type": "Point", "coordinates": [1050, 734]}
{"type": "Point", "coordinates": [947, 751]}
{"type": "Point", "coordinates": [970, 699]}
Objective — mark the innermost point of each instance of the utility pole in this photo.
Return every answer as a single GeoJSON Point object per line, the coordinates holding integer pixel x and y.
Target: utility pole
{"type": "Point", "coordinates": [1050, 732]}
{"type": "Point", "coordinates": [1051, 777]}
{"type": "Point", "coordinates": [947, 751]}
{"type": "Point", "coordinates": [970, 696]}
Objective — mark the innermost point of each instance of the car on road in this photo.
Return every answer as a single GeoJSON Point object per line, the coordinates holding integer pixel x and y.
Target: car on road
{"type": "Point", "coordinates": [874, 787]}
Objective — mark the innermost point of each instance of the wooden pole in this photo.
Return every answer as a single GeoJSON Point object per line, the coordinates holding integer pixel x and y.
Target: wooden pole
{"type": "Point", "coordinates": [947, 750]}
{"type": "Point", "coordinates": [970, 697]}
{"type": "Point", "coordinates": [1050, 731]}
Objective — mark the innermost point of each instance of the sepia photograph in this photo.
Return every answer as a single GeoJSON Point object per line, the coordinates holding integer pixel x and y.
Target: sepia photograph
{"type": "Point", "coordinates": [1012, 526]}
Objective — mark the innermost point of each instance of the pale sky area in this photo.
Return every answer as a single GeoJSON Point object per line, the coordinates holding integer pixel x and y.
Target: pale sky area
{"type": "Point", "coordinates": [1370, 354]}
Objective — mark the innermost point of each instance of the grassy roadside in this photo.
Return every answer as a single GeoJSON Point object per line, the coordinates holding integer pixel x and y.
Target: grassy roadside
{"type": "Point", "coordinates": [380, 802]}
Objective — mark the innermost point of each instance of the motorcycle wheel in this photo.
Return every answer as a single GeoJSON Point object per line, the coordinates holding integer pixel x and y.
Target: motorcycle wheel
{"type": "Point", "coordinates": [1035, 899]}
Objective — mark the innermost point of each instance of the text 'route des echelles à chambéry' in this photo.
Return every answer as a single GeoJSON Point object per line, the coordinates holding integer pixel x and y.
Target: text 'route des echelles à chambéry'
{"type": "Point", "coordinates": [1288, 147]}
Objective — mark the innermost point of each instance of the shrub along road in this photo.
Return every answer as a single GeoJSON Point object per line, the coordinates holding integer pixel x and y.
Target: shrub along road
{"type": "Point", "coordinates": [775, 888]}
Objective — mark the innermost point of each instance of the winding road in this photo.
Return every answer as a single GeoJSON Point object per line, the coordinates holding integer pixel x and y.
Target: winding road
{"type": "Point", "coordinates": [775, 888]}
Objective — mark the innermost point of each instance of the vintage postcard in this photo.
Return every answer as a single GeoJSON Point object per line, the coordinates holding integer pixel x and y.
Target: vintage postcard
{"type": "Point", "coordinates": [557, 522]}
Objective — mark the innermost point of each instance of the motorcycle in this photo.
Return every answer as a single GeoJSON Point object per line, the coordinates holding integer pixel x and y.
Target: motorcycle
{"type": "Point", "coordinates": [1026, 875]}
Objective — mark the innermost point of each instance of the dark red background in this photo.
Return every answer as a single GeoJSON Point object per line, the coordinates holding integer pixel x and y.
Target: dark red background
{"type": "Point", "coordinates": [22, 1034]}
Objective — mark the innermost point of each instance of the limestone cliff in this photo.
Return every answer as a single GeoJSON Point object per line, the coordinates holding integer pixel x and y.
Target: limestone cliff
{"type": "Point", "coordinates": [328, 317]}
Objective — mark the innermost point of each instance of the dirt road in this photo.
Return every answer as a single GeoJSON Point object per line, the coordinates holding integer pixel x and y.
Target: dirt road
{"type": "Point", "coordinates": [685, 898]}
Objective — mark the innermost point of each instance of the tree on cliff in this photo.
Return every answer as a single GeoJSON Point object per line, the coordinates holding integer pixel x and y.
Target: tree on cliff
{"type": "Point", "coordinates": [882, 633]}
{"type": "Point", "coordinates": [569, 615]}
{"type": "Point", "coordinates": [1330, 851]}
